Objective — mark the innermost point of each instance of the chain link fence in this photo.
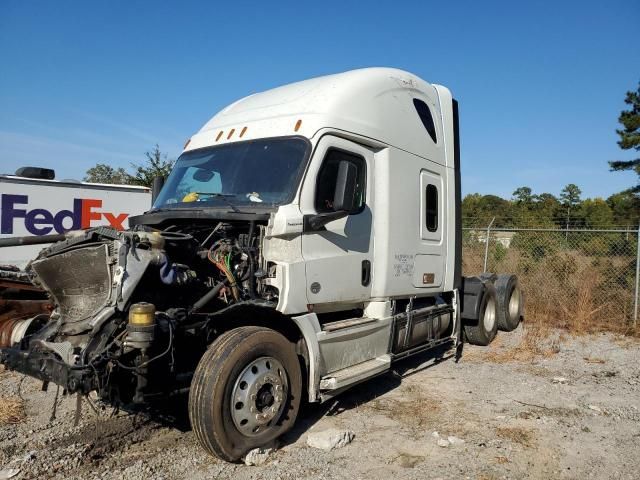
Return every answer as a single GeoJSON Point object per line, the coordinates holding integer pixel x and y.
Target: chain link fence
{"type": "Point", "coordinates": [575, 278]}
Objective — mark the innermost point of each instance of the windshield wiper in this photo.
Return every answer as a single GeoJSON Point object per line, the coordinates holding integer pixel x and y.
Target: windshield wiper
{"type": "Point", "coordinates": [224, 197]}
{"type": "Point", "coordinates": [169, 209]}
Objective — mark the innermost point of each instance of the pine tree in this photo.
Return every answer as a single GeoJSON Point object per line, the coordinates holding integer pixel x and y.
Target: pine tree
{"type": "Point", "coordinates": [523, 195]}
{"type": "Point", "coordinates": [570, 198]}
{"type": "Point", "coordinates": [630, 136]}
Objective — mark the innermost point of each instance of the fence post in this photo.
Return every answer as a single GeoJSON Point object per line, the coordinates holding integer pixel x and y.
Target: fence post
{"type": "Point", "coordinates": [635, 304]}
{"type": "Point", "coordinates": [486, 246]}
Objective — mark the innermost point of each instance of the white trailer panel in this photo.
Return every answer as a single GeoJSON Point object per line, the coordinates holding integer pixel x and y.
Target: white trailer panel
{"type": "Point", "coordinates": [35, 207]}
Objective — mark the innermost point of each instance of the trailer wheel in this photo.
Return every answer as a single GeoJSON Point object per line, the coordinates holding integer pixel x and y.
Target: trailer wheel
{"type": "Point", "coordinates": [484, 330]}
{"type": "Point", "coordinates": [509, 302]}
{"type": "Point", "coordinates": [245, 391]}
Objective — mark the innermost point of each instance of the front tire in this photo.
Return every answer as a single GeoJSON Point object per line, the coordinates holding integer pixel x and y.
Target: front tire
{"type": "Point", "coordinates": [245, 392]}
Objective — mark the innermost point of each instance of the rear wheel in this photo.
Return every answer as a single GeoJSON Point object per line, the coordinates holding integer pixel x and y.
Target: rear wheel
{"type": "Point", "coordinates": [509, 302]}
{"type": "Point", "coordinates": [484, 330]}
{"type": "Point", "coordinates": [245, 391]}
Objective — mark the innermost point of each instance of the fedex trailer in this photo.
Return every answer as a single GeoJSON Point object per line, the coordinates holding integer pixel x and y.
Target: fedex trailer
{"type": "Point", "coordinates": [41, 208]}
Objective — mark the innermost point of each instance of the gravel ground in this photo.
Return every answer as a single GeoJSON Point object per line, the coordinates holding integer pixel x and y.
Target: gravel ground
{"type": "Point", "coordinates": [572, 414]}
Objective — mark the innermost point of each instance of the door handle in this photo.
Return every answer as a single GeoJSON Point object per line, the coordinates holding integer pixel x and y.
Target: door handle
{"type": "Point", "coordinates": [366, 273]}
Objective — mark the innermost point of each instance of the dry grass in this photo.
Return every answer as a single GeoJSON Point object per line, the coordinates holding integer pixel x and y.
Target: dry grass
{"type": "Point", "coordinates": [517, 435]}
{"type": "Point", "coordinates": [538, 340]}
{"type": "Point", "coordinates": [600, 361]}
{"type": "Point", "coordinates": [568, 289]}
{"type": "Point", "coordinates": [406, 460]}
{"type": "Point", "coordinates": [418, 411]}
{"type": "Point", "coordinates": [11, 410]}
{"type": "Point", "coordinates": [626, 341]}
{"type": "Point", "coordinates": [414, 411]}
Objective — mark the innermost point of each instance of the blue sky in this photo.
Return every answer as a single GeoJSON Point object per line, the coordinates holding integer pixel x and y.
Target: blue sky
{"type": "Point", "coordinates": [540, 84]}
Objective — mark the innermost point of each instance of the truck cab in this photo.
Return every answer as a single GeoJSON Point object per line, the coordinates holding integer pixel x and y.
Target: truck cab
{"type": "Point", "coordinates": [394, 131]}
{"type": "Point", "coordinates": [308, 237]}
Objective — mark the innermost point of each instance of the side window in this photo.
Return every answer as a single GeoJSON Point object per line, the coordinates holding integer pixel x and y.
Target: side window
{"type": "Point", "coordinates": [327, 179]}
{"type": "Point", "coordinates": [425, 116]}
{"type": "Point", "coordinates": [431, 208]}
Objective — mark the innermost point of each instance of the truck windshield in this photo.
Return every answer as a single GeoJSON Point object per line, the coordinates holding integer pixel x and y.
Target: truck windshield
{"type": "Point", "coordinates": [259, 172]}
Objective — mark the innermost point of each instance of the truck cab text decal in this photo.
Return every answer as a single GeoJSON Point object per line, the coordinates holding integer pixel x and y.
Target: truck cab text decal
{"type": "Point", "coordinates": [40, 221]}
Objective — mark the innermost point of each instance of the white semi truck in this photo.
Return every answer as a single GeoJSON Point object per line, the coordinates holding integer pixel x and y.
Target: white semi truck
{"type": "Point", "coordinates": [308, 237]}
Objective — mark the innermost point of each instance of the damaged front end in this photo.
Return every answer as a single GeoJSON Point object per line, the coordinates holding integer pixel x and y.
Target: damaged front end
{"type": "Point", "coordinates": [133, 311]}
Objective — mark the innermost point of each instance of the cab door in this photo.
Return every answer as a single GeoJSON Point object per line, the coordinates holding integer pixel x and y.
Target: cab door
{"type": "Point", "coordinates": [338, 256]}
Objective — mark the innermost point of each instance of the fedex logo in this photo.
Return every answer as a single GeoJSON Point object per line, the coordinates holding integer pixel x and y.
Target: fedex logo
{"type": "Point", "coordinates": [40, 221]}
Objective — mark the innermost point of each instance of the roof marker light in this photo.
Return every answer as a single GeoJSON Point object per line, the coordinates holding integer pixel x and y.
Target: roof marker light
{"type": "Point", "coordinates": [244, 129]}
{"type": "Point", "coordinates": [297, 127]}
{"type": "Point", "coordinates": [219, 135]}
{"type": "Point", "coordinates": [186, 144]}
{"type": "Point", "coordinates": [231, 133]}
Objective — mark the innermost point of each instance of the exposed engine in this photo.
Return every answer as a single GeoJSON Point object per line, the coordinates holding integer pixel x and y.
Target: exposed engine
{"type": "Point", "coordinates": [126, 302]}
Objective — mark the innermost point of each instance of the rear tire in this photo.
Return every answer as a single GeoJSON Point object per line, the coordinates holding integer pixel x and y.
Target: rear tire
{"type": "Point", "coordinates": [245, 391]}
{"type": "Point", "coordinates": [509, 310]}
{"type": "Point", "coordinates": [484, 330]}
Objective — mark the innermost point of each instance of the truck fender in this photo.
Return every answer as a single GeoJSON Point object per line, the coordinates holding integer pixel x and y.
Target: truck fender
{"type": "Point", "coordinates": [473, 289]}
{"type": "Point", "coordinates": [310, 327]}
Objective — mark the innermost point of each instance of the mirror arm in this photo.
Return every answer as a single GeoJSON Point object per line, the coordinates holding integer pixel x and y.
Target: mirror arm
{"type": "Point", "coordinates": [313, 223]}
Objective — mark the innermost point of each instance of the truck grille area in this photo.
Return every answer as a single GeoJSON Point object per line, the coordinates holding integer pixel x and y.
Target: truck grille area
{"type": "Point", "coordinates": [78, 280]}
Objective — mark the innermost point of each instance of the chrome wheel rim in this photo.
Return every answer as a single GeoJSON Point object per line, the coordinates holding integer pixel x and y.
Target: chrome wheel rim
{"type": "Point", "coordinates": [514, 303]}
{"type": "Point", "coordinates": [489, 317]}
{"type": "Point", "coordinates": [258, 396]}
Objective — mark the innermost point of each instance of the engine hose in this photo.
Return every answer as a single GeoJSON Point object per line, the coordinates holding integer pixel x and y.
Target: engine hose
{"type": "Point", "coordinates": [207, 297]}
{"type": "Point", "coordinates": [252, 286]}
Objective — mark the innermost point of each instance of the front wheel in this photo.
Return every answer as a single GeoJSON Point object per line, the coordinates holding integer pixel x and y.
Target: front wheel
{"type": "Point", "coordinates": [245, 391]}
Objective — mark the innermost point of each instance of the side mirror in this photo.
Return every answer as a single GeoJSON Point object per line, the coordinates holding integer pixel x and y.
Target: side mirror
{"type": "Point", "coordinates": [344, 196]}
{"type": "Point", "coordinates": [156, 186]}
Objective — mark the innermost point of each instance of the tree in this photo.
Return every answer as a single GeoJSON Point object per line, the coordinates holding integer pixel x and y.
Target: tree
{"type": "Point", "coordinates": [545, 201]}
{"type": "Point", "coordinates": [545, 209]}
{"type": "Point", "coordinates": [523, 195]}
{"type": "Point", "coordinates": [156, 164]}
{"type": "Point", "coordinates": [103, 173]}
{"type": "Point", "coordinates": [570, 197]}
{"type": "Point", "coordinates": [482, 208]}
{"type": "Point", "coordinates": [626, 208]}
{"type": "Point", "coordinates": [596, 213]}
{"type": "Point", "coordinates": [630, 136]}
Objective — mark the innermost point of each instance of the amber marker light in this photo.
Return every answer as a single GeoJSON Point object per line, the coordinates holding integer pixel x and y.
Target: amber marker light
{"type": "Point", "coordinates": [186, 144]}
{"type": "Point", "coordinates": [219, 135]}
{"type": "Point", "coordinates": [231, 133]}
{"type": "Point", "coordinates": [298, 124]}
{"type": "Point", "coordinates": [244, 129]}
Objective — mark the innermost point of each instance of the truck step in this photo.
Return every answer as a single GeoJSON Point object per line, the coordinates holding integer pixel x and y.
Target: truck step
{"type": "Point", "coordinates": [349, 322]}
{"type": "Point", "coordinates": [356, 373]}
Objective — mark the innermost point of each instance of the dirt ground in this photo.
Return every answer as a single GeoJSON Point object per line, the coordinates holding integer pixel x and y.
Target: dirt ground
{"type": "Point", "coordinates": [573, 412]}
